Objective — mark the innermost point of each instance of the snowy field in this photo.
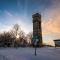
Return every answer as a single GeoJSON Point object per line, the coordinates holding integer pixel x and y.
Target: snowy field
{"type": "Point", "coordinates": [47, 53]}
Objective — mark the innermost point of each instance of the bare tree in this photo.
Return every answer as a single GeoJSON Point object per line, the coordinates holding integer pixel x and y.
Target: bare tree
{"type": "Point", "coordinates": [6, 39]}
{"type": "Point", "coordinates": [16, 29]}
{"type": "Point", "coordinates": [29, 38]}
{"type": "Point", "coordinates": [20, 36]}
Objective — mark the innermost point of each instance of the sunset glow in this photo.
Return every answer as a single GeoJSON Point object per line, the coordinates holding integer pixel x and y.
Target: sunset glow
{"type": "Point", "coordinates": [17, 36]}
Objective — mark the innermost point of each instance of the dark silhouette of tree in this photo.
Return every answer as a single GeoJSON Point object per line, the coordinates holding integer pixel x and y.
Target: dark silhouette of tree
{"type": "Point", "coordinates": [21, 40]}
{"type": "Point", "coordinates": [1, 40]}
{"type": "Point", "coordinates": [6, 39]}
{"type": "Point", "coordinates": [15, 30]}
{"type": "Point", "coordinates": [9, 39]}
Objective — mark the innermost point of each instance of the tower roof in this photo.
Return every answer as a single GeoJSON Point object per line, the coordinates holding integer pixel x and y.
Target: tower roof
{"type": "Point", "coordinates": [36, 15]}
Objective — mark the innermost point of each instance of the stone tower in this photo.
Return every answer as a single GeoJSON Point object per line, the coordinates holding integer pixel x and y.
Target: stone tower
{"type": "Point", "coordinates": [37, 33]}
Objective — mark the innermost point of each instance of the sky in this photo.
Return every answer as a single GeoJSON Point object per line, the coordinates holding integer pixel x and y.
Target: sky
{"type": "Point", "coordinates": [21, 11]}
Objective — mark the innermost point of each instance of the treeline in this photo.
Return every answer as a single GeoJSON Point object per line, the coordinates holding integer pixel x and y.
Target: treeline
{"type": "Point", "coordinates": [15, 38]}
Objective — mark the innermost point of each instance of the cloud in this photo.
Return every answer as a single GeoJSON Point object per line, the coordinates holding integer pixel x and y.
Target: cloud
{"type": "Point", "coordinates": [8, 13]}
{"type": "Point", "coordinates": [51, 23]}
{"type": "Point", "coordinates": [51, 19]}
{"type": "Point", "coordinates": [4, 27]}
{"type": "Point", "coordinates": [10, 19]}
{"type": "Point", "coordinates": [26, 27]}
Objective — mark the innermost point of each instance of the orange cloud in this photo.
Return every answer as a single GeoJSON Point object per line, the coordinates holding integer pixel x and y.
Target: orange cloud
{"type": "Point", "coordinates": [52, 26]}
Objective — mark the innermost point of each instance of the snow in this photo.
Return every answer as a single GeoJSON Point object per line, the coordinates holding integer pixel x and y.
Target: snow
{"type": "Point", "coordinates": [47, 53]}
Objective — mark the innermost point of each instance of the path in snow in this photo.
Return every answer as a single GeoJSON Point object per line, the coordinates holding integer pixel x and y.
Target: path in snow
{"type": "Point", "coordinates": [28, 54]}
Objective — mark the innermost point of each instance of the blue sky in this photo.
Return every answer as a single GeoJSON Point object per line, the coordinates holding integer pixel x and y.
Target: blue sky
{"type": "Point", "coordinates": [15, 11]}
{"type": "Point", "coordinates": [21, 11]}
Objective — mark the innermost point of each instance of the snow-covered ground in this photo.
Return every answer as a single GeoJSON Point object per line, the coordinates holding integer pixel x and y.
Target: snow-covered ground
{"type": "Point", "coordinates": [28, 54]}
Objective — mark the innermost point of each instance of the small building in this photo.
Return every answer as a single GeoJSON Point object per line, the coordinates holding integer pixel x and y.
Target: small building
{"type": "Point", "coordinates": [57, 42]}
